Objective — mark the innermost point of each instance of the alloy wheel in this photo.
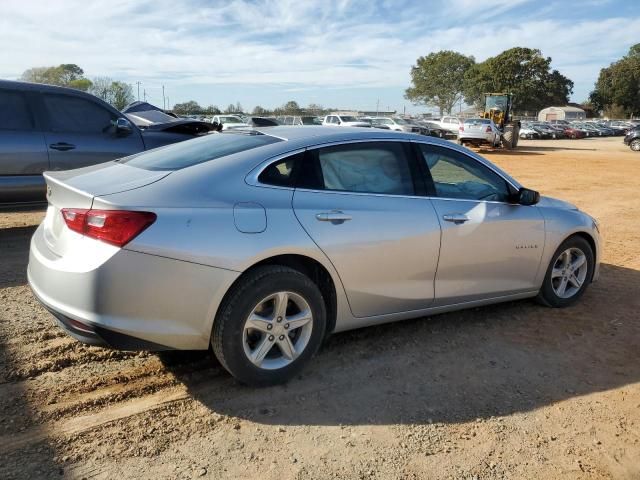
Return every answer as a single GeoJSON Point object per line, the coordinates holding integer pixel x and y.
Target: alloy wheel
{"type": "Point", "coordinates": [277, 330]}
{"type": "Point", "coordinates": [569, 272]}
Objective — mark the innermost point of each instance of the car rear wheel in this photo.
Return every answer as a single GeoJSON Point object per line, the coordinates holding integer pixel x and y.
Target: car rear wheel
{"type": "Point", "coordinates": [635, 145]}
{"type": "Point", "coordinates": [272, 322]}
{"type": "Point", "coordinates": [568, 274]}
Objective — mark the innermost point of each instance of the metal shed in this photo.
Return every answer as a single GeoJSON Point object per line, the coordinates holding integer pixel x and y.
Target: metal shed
{"type": "Point", "coordinates": [561, 113]}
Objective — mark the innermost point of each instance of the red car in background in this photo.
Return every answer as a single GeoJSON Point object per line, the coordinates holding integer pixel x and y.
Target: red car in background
{"type": "Point", "coordinates": [571, 132]}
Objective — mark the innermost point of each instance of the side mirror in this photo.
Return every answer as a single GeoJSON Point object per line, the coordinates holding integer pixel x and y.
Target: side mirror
{"type": "Point", "coordinates": [123, 126]}
{"type": "Point", "coordinates": [526, 196]}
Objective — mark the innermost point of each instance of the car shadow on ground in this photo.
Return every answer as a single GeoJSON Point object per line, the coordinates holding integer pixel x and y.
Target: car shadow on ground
{"type": "Point", "coordinates": [456, 367]}
{"type": "Point", "coordinates": [17, 413]}
{"type": "Point", "coordinates": [14, 255]}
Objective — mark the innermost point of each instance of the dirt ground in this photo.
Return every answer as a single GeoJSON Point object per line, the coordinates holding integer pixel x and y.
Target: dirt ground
{"type": "Point", "coordinates": [513, 391]}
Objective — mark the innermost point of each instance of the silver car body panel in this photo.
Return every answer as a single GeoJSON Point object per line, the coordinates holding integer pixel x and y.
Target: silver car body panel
{"type": "Point", "coordinates": [215, 221]}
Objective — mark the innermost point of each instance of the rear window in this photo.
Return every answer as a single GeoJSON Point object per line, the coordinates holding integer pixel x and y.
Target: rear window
{"type": "Point", "coordinates": [199, 150]}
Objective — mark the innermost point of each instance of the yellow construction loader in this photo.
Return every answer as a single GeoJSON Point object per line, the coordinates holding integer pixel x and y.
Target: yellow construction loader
{"type": "Point", "coordinates": [497, 107]}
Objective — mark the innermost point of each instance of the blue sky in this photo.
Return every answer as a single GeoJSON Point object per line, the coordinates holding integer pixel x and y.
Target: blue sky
{"type": "Point", "coordinates": [340, 53]}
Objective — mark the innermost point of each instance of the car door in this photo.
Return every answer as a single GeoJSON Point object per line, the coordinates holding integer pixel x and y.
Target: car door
{"type": "Point", "coordinates": [490, 247]}
{"type": "Point", "coordinates": [23, 154]}
{"type": "Point", "coordinates": [22, 145]}
{"type": "Point", "coordinates": [82, 132]}
{"type": "Point", "coordinates": [360, 205]}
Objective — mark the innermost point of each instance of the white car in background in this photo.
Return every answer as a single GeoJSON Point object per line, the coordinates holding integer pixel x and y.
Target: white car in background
{"type": "Point", "coordinates": [343, 121]}
{"type": "Point", "coordinates": [230, 121]}
{"type": "Point", "coordinates": [452, 124]}
{"type": "Point", "coordinates": [479, 131]}
{"type": "Point", "coordinates": [396, 124]}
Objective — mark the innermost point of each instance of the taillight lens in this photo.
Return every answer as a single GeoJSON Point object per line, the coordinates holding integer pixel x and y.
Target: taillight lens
{"type": "Point", "coordinates": [461, 128]}
{"type": "Point", "coordinates": [488, 130]}
{"type": "Point", "coordinates": [117, 227]}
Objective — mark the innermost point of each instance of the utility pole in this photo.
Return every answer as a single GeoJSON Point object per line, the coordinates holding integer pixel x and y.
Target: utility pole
{"type": "Point", "coordinates": [138, 83]}
{"type": "Point", "coordinates": [377, 107]}
{"type": "Point", "coordinates": [164, 105]}
{"type": "Point", "coordinates": [145, 94]}
{"type": "Point", "coordinates": [168, 104]}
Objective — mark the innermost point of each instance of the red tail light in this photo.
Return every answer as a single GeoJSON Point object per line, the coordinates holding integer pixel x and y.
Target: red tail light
{"type": "Point", "coordinates": [117, 227]}
{"type": "Point", "coordinates": [461, 128]}
{"type": "Point", "coordinates": [488, 130]}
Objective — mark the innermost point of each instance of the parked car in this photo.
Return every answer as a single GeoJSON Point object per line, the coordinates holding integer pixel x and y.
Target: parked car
{"type": "Point", "coordinates": [230, 121]}
{"type": "Point", "coordinates": [150, 118]}
{"type": "Point", "coordinates": [299, 120]}
{"type": "Point", "coordinates": [260, 243]}
{"type": "Point", "coordinates": [396, 124]}
{"type": "Point", "coordinates": [633, 139]}
{"type": "Point", "coordinates": [479, 131]}
{"type": "Point", "coordinates": [43, 127]}
{"type": "Point", "coordinates": [571, 132]}
{"type": "Point", "coordinates": [343, 121]}
{"type": "Point", "coordinates": [528, 132]}
{"type": "Point", "coordinates": [434, 129]}
{"type": "Point", "coordinates": [452, 124]}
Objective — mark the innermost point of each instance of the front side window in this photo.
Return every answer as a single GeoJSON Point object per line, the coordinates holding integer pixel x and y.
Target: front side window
{"type": "Point", "coordinates": [69, 114]}
{"type": "Point", "coordinates": [455, 175]}
{"type": "Point", "coordinates": [14, 111]}
{"type": "Point", "coordinates": [372, 167]}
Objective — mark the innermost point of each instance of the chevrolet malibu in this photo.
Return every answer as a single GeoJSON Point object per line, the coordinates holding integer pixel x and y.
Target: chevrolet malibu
{"type": "Point", "coordinates": [260, 243]}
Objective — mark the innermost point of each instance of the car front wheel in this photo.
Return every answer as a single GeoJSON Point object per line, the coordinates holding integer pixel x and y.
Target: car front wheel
{"type": "Point", "coordinates": [270, 325]}
{"type": "Point", "coordinates": [568, 274]}
{"type": "Point", "coordinates": [635, 145]}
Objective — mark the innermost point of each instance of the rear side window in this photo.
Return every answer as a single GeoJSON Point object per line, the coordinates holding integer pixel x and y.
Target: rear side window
{"type": "Point", "coordinates": [198, 150]}
{"type": "Point", "coordinates": [372, 167]}
{"type": "Point", "coordinates": [68, 114]}
{"type": "Point", "coordinates": [280, 173]}
{"type": "Point", "coordinates": [14, 111]}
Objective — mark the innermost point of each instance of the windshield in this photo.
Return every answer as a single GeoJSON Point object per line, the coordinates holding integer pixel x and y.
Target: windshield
{"type": "Point", "coordinates": [230, 120]}
{"type": "Point", "coordinates": [348, 118]}
{"type": "Point", "coordinates": [311, 121]}
{"type": "Point", "coordinates": [499, 102]}
{"type": "Point", "coordinates": [401, 121]}
{"type": "Point", "coordinates": [199, 150]}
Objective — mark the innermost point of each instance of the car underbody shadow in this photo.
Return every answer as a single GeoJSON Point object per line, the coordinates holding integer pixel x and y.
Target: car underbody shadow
{"type": "Point", "coordinates": [456, 367]}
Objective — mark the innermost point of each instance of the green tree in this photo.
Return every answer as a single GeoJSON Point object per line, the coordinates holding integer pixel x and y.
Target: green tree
{"type": "Point", "coordinates": [83, 84]}
{"type": "Point", "coordinates": [122, 94]}
{"type": "Point", "coordinates": [437, 79]}
{"type": "Point", "coordinates": [63, 75]}
{"type": "Point", "coordinates": [617, 89]}
{"type": "Point", "coordinates": [291, 108]}
{"type": "Point", "coordinates": [118, 94]}
{"type": "Point", "coordinates": [187, 108]}
{"type": "Point", "coordinates": [523, 72]}
{"type": "Point", "coordinates": [211, 110]}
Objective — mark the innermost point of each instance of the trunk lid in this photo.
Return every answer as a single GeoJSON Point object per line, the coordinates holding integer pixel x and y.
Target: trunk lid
{"type": "Point", "coordinates": [77, 189]}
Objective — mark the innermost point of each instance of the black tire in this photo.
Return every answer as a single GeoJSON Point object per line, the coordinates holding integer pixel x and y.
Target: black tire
{"type": "Point", "coordinates": [547, 296]}
{"type": "Point", "coordinates": [635, 145]}
{"type": "Point", "coordinates": [227, 336]}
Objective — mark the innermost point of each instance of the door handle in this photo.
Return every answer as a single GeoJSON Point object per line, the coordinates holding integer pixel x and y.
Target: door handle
{"type": "Point", "coordinates": [335, 216]}
{"type": "Point", "coordinates": [457, 218]}
{"type": "Point", "coordinates": [62, 146]}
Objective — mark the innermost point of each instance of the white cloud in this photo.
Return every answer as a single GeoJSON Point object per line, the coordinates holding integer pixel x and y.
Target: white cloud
{"type": "Point", "coordinates": [298, 44]}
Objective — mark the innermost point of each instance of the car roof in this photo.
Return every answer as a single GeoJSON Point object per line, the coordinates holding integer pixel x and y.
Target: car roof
{"type": "Point", "coordinates": [40, 87]}
{"type": "Point", "coordinates": [325, 134]}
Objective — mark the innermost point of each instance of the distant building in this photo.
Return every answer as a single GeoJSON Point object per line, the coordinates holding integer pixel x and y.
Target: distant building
{"type": "Point", "coordinates": [561, 113]}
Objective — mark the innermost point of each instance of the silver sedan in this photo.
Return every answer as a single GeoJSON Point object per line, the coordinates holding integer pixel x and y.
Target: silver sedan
{"type": "Point", "coordinates": [260, 243]}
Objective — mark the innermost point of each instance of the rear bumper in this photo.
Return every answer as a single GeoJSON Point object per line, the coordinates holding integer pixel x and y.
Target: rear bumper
{"type": "Point", "coordinates": [471, 138]}
{"type": "Point", "coordinates": [99, 336]}
{"type": "Point", "coordinates": [129, 300]}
